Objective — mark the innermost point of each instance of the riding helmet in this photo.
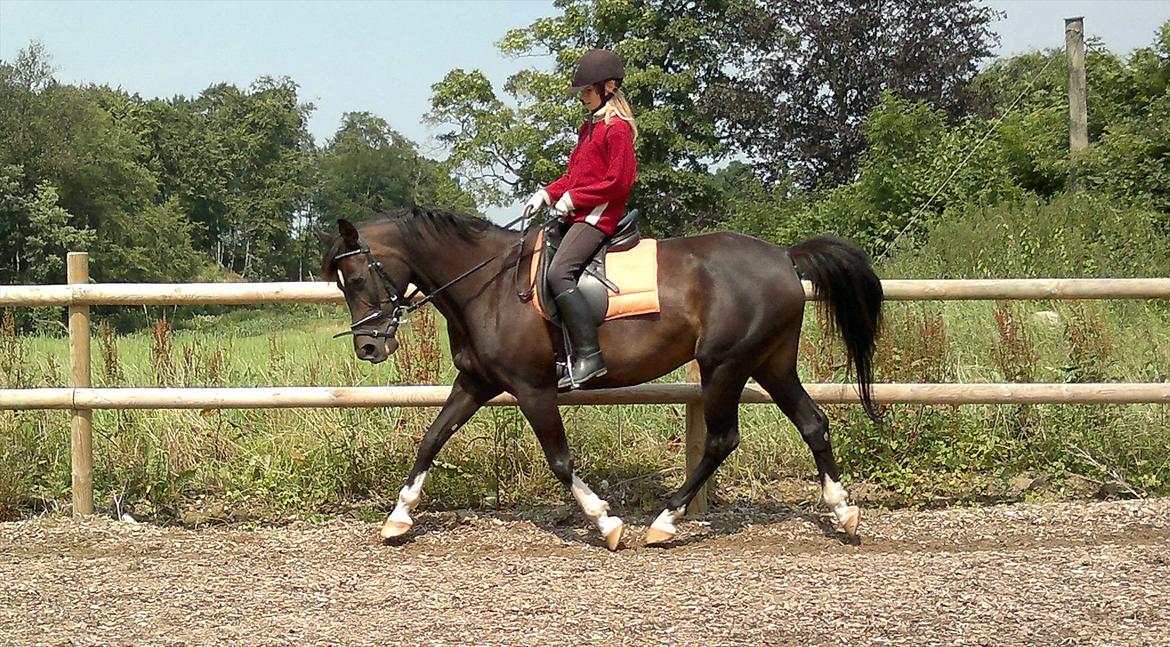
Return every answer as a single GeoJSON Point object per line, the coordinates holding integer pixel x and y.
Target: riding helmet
{"type": "Point", "coordinates": [597, 66]}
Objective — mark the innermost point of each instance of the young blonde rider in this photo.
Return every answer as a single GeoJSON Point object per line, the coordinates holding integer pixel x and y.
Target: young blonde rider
{"type": "Point", "coordinates": [590, 198]}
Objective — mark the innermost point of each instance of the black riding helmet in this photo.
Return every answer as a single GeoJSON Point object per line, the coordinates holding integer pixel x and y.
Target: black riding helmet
{"type": "Point", "coordinates": [597, 66]}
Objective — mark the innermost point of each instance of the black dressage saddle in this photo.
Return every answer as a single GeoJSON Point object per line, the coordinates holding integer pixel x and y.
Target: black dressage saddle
{"type": "Point", "coordinates": [592, 282]}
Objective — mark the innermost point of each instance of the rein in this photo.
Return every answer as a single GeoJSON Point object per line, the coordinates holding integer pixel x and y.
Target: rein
{"type": "Point", "coordinates": [396, 316]}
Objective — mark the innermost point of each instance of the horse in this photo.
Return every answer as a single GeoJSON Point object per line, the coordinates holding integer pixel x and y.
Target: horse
{"type": "Point", "coordinates": [732, 302]}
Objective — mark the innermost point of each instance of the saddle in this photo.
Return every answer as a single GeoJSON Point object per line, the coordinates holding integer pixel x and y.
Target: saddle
{"type": "Point", "coordinates": [621, 280]}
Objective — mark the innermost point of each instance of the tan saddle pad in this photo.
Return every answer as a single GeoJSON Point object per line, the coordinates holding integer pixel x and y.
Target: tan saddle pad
{"type": "Point", "coordinates": [634, 272]}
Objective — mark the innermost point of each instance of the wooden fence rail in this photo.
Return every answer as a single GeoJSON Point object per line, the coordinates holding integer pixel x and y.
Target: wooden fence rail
{"type": "Point", "coordinates": [325, 292]}
{"type": "Point", "coordinates": [292, 397]}
{"type": "Point", "coordinates": [81, 400]}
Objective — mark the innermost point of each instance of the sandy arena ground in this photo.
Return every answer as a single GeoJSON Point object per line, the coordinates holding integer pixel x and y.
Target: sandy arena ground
{"type": "Point", "coordinates": [1043, 574]}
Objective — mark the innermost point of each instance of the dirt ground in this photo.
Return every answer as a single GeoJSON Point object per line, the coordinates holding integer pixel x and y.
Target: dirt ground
{"type": "Point", "coordinates": [1038, 574]}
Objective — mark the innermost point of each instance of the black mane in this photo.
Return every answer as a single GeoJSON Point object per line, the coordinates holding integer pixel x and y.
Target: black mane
{"type": "Point", "coordinates": [414, 220]}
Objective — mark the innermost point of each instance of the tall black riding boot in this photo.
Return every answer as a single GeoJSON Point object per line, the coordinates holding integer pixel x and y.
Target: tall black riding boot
{"type": "Point", "coordinates": [587, 362]}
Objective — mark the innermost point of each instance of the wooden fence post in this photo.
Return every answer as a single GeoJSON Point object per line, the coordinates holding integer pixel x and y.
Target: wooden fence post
{"type": "Point", "coordinates": [81, 429]}
{"type": "Point", "coordinates": [696, 439]}
{"type": "Point", "coordinates": [1078, 111]}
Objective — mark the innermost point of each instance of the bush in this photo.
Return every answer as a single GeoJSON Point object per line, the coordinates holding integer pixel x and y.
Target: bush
{"type": "Point", "coordinates": [1078, 235]}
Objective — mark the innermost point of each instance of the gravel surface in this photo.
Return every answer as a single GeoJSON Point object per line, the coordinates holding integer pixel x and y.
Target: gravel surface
{"type": "Point", "coordinates": [1038, 574]}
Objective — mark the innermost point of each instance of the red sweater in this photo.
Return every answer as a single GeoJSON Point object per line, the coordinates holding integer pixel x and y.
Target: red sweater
{"type": "Point", "coordinates": [602, 168]}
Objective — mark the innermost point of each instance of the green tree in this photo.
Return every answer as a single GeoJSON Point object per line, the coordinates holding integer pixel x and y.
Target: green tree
{"type": "Point", "coordinates": [505, 147]}
{"type": "Point", "coordinates": [265, 155]}
{"type": "Point", "coordinates": [922, 168]}
{"type": "Point", "coordinates": [1130, 157]}
{"type": "Point", "coordinates": [240, 164]}
{"type": "Point", "coordinates": [368, 168]}
{"type": "Point", "coordinates": [807, 73]}
{"type": "Point", "coordinates": [1129, 102]}
{"type": "Point", "coordinates": [36, 231]}
{"type": "Point", "coordinates": [76, 162]}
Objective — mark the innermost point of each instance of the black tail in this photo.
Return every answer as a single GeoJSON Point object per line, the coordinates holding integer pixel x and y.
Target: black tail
{"type": "Point", "coordinates": [842, 275]}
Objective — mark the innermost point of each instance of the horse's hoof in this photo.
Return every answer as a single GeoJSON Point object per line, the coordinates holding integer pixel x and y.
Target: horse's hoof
{"type": "Point", "coordinates": [394, 529]}
{"type": "Point", "coordinates": [657, 537]}
{"type": "Point", "coordinates": [850, 521]}
{"type": "Point", "coordinates": [614, 538]}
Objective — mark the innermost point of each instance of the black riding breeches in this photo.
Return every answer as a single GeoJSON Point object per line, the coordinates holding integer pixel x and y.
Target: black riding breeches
{"type": "Point", "coordinates": [577, 247]}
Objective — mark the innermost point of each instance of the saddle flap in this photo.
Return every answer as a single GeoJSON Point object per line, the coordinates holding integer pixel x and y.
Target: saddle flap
{"type": "Point", "coordinates": [634, 270]}
{"type": "Point", "coordinates": [595, 292]}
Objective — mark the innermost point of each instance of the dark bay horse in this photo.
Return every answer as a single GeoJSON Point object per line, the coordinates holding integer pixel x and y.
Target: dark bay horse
{"type": "Point", "coordinates": [732, 302]}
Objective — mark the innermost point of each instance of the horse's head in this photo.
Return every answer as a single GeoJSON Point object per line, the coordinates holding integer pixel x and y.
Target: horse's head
{"type": "Point", "coordinates": [374, 282]}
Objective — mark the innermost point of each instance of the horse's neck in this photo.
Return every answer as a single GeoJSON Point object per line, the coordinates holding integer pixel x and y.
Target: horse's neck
{"type": "Point", "coordinates": [438, 260]}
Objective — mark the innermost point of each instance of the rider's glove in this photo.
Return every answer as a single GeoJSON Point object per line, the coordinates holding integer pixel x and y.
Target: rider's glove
{"type": "Point", "coordinates": [538, 200]}
{"type": "Point", "coordinates": [564, 205]}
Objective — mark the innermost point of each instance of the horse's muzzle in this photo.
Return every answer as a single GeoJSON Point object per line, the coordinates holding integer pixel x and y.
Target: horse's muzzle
{"type": "Point", "coordinates": [375, 351]}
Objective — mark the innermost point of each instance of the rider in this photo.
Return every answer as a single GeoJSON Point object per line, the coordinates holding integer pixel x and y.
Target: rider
{"type": "Point", "coordinates": [590, 198]}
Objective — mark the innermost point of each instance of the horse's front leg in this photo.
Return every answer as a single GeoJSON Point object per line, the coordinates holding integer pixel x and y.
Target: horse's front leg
{"type": "Point", "coordinates": [540, 408]}
{"type": "Point", "coordinates": [468, 394]}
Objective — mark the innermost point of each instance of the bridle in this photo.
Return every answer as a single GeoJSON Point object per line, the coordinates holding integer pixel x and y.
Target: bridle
{"type": "Point", "coordinates": [395, 298]}
{"type": "Point", "coordinates": [400, 305]}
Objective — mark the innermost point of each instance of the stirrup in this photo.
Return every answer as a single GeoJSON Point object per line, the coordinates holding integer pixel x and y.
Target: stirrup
{"type": "Point", "coordinates": [569, 381]}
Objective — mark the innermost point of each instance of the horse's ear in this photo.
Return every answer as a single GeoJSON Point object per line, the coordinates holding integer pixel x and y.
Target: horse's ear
{"type": "Point", "coordinates": [322, 236]}
{"type": "Point", "coordinates": [349, 233]}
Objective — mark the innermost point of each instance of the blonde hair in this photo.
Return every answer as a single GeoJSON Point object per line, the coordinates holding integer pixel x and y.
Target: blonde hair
{"type": "Point", "coordinates": [619, 106]}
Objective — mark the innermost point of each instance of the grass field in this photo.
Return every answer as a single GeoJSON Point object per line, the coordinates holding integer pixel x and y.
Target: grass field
{"type": "Point", "coordinates": [271, 465]}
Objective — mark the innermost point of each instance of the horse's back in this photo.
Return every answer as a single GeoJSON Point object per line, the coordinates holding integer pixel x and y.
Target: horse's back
{"type": "Point", "coordinates": [730, 261]}
{"type": "Point", "coordinates": [732, 285]}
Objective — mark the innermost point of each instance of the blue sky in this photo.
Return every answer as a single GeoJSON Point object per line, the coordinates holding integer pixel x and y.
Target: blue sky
{"type": "Point", "coordinates": [382, 57]}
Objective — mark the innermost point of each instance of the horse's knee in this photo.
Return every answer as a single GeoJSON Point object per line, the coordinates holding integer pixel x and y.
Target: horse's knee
{"type": "Point", "coordinates": [722, 444]}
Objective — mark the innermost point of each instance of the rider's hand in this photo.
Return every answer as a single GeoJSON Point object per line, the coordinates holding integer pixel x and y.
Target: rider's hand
{"type": "Point", "coordinates": [536, 202]}
{"type": "Point", "coordinates": [564, 205]}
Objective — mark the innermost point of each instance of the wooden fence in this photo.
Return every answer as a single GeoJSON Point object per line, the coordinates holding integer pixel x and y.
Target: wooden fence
{"type": "Point", "coordinates": [82, 399]}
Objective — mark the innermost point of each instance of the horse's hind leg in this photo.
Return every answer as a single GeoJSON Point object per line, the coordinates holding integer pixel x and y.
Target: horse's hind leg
{"type": "Point", "coordinates": [540, 408]}
{"type": "Point", "coordinates": [778, 377]}
{"type": "Point", "coordinates": [722, 386]}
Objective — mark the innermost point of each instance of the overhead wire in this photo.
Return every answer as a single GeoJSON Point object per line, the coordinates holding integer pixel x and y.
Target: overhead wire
{"type": "Point", "coordinates": [922, 209]}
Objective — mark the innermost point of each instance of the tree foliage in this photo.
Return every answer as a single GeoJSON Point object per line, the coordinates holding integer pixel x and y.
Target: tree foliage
{"type": "Point", "coordinates": [923, 172]}
{"type": "Point", "coordinates": [506, 146]}
{"type": "Point", "coordinates": [367, 168]}
{"type": "Point", "coordinates": [756, 116]}
{"type": "Point", "coordinates": [808, 73]}
{"type": "Point", "coordinates": [225, 183]}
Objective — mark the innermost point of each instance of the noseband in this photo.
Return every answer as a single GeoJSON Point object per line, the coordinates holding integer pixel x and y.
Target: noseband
{"type": "Point", "coordinates": [395, 298]}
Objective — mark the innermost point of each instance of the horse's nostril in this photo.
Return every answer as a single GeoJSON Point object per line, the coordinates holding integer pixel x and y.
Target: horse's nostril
{"type": "Point", "coordinates": [367, 350]}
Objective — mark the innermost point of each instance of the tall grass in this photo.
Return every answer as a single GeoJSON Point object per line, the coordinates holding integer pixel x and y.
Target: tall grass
{"type": "Point", "coordinates": [203, 466]}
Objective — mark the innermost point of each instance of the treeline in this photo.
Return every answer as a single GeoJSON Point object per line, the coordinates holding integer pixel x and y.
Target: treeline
{"type": "Point", "coordinates": [883, 124]}
{"type": "Point", "coordinates": [226, 184]}
{"type": "Point", "coordinates": [987, 193]}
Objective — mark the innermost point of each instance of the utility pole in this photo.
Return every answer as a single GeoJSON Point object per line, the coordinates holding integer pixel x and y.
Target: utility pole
{"type": "Point", "coordinates": [1078, 111]}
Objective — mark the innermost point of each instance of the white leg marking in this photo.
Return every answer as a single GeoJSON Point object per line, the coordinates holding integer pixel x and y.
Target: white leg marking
{"type": "Point", "coordinates": [593, 507]}
{"type": "Point", "coordinates": [408, 500]}
{"type": "Point", "coordinates": [835, 497]}
{"type": "Point", "coordinates": [666, 520]}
